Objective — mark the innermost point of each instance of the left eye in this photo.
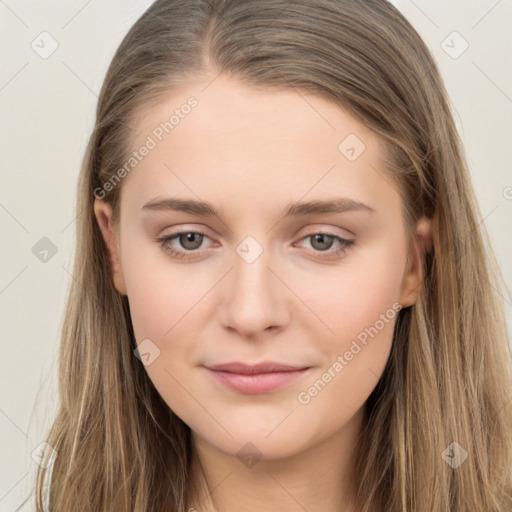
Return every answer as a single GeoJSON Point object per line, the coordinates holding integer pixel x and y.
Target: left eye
{"type": "Point", "coordinates": [323, 239]}
{"type": "Point", "coordinates": [192, 240]}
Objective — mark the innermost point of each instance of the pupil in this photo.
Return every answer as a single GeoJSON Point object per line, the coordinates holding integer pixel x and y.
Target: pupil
{"type": "Point", "coordinates": [323, 240]}
{"type": "Point", "coordinates": [189, 239]}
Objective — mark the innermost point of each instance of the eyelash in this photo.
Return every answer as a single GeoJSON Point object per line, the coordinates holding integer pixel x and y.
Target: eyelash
{"type": "Point", "coordinates": [183, 254]}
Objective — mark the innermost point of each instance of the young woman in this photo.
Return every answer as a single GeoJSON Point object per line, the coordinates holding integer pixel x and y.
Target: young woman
{"type": "Point", "coordinates": [284, 297]}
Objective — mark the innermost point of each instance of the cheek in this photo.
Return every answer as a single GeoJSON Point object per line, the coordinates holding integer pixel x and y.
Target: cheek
{"type": "Point", "coordinates": [161, 294]}
{"type": "Point", "coordinates": [166, 308]}
{"type": "Point", "coordinates": [355, 295]}
{"type": "Point", "coordinates": [360, 306]}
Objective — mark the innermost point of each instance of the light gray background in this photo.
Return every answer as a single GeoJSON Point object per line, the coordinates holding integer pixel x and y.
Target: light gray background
{"type": "Point", "coordinates": [47, 109]}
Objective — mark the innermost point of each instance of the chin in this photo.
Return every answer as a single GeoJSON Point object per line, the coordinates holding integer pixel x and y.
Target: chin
{"type": "Point", "coordinates": [252, 444]}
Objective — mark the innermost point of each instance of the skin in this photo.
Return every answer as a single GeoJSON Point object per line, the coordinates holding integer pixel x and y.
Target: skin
{"type": "Point", "coordinates": [294, 304]}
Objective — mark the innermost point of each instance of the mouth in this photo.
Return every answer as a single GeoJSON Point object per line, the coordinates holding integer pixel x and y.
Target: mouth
{"type": "Point", "coordinates": [259, 378]}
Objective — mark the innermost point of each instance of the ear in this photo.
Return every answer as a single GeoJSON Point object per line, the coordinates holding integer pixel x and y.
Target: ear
{"type": "Point", "coordinates": [103, 213]}
{"type": "Point", "coordinates": [413, 278]}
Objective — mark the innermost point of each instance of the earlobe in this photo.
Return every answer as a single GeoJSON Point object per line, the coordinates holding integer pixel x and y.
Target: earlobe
{"type": "Point", "coordinates": [413, 278]}
{"type": "Point", "coordinates": [103, 214]}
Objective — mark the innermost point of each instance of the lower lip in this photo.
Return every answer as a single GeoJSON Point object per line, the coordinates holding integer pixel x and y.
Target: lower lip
{"type": "Point", "coordinates": [257, 382]}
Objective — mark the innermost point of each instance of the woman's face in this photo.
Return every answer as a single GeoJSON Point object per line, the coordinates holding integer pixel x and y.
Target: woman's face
{"type": "Point", "coordinates": [264, 278]}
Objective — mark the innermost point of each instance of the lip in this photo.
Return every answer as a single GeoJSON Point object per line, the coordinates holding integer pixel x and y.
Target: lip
{"type": "Point", "coordinates": [258, 378]}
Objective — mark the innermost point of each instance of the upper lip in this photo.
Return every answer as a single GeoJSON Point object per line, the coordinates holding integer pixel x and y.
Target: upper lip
{"type": "Point", "coordinates": [264, 367]}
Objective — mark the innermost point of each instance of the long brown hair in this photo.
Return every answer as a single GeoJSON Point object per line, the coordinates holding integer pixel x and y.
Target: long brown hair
{"type": "Point", "coordinates": [445, 390]}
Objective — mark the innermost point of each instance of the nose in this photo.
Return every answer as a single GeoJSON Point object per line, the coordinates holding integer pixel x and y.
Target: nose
{"type": "Point", "coordinates": [254, 297]}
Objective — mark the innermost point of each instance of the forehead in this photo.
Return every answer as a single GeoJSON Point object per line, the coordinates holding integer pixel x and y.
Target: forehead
{"type": "Point", "coordinates": [227, 110]}
{"type": "Point", "coordinates": [261, 143]}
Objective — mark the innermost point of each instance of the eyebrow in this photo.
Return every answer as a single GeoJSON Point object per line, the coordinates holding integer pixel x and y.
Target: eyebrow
{"type": "Point", "coordinates": [297, 209]}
